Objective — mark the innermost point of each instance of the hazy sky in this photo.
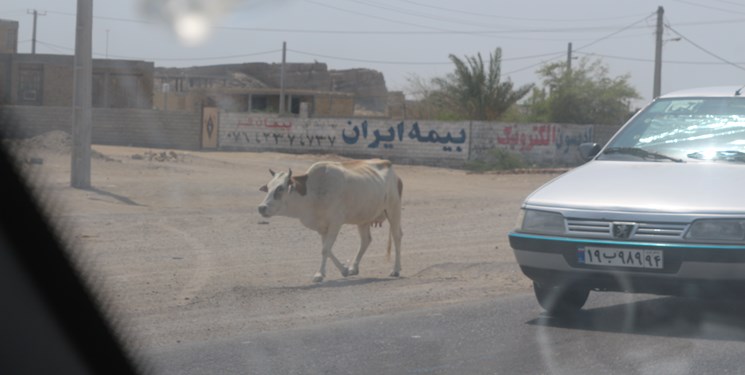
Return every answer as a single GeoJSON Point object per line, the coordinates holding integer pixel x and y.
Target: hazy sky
{"type": "Point", "coordinates": [705, 39]}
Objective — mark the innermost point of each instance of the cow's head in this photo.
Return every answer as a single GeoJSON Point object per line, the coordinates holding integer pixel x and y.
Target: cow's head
{"type": "Point", "coordinates": [278, 190]}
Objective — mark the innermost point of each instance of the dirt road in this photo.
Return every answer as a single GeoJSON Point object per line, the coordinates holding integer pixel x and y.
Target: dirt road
{"type": "Point", "coordinates": [175, 246]}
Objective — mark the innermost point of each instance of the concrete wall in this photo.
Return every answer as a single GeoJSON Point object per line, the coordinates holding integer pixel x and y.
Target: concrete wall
{"type": "Point", "coordinates": [420, 142]}
{"type": "Point", "coordinates": [125, 127]}
{"type": "Point", "coordinates": [450, 144]}
{"type": "Point", "coordinates": [415, 142]}
{"type": "Point", "coordinates": [603, 133]}
{"type": "Point", "coordinates": [540, 144]}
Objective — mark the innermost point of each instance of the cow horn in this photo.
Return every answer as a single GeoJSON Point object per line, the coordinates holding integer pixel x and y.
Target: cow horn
{"type": "Point", "coordinates": [272, 172]}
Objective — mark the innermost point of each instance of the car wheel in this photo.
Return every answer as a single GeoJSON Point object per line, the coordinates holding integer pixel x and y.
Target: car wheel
{"type": "Point", "coordinates": [560, 300]}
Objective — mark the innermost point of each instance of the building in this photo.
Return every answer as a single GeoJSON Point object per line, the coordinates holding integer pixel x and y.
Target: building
{"type": "Point", "coordinates": [47, 80]}
{"type": "Point", "coordinates": [306, 89]}
{"type": "Point", "coordinates": [310, 89]}
{"type": "Point", "coordinates": [8, 36]}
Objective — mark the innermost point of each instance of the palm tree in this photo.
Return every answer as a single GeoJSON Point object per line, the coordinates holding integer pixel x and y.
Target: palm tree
{"type": "Point", "coordinates": [477, 92]}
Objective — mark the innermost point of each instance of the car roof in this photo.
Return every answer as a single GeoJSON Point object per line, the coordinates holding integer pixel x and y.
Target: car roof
{"type": "Point", "coordinates": [714, 91]}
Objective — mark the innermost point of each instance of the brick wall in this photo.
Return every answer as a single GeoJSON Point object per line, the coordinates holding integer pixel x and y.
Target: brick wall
{"type": "Point", "coordinates": [126, 127]}
{"type": "Point", "coordinates": [147, 128]}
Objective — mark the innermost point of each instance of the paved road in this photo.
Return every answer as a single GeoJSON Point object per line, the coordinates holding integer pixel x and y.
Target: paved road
{"type": "Point", "coordinates": [617, 333]}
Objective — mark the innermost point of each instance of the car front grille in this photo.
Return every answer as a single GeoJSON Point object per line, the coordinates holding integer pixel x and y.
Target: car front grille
{"type": "Point", "coordinates": [641, 231]}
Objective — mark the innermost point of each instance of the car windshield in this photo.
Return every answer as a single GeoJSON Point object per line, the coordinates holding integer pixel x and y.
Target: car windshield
{"type": "Point", "coordinates": [683, 129]}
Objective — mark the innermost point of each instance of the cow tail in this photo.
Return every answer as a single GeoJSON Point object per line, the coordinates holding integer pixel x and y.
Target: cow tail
{"type": "Point", "coordinates": [390, 242]}
{"type": "Point", "coordinates": [400, 188]}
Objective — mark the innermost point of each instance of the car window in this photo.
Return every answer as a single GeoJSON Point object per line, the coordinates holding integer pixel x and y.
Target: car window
{"type": "Point", "coordinates": [679, 127]}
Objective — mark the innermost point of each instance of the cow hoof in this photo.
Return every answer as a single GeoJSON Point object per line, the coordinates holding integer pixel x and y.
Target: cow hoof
{"type": "Point", "coordinates": [395, 274]}
{"type": "Point", "coordinates": [345, 272]}
{"type": "Point", "coordinates": [354, 271]}
{"type": "Point", "coordinates": [317, 278]}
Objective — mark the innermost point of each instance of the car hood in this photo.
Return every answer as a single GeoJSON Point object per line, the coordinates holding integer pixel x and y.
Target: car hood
{"type": "Point", "coordinates": [698, 188]}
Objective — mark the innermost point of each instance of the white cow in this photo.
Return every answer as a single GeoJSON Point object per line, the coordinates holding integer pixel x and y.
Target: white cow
{"type": "Point", "coordinates": [330, 194]}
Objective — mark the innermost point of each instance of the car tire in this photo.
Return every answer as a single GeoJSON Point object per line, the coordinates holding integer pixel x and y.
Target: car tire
{"type": "Point", "coordinates": [560, 300]}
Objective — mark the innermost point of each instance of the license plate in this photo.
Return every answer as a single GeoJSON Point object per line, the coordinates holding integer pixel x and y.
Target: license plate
{"type": "Point", "coordinates": [610, 257]}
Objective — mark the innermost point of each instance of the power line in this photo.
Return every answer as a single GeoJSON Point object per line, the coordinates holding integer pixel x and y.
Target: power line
{"type": "Point", "coordinates": [731, 3]}
{"type": "Point", "coordinates": [429, 32]}
{"type": "Point", "coordinates": [501, 32]}
{"type": "Point", "coordinates": [372, 16]}
{"type": "Point", "coordinates": [627, 27]}
{"type": "Point", "coordinates": [553, 55]}
{"type": "Point", "coordinates": [646, 60]}
{"type": "Point", "coordinates": [218, 57]}
{"type": "Point", "coordinates": [543, 62]}
{"type": "Point", "coordinates": [709, 7]}
{"type": "Point", "coordinates": [106, 18]}
{"type": "Point", "coordinates": [409, 12]}
{"type": "Point", "coordinates": [704, 49]}
{"type": "Point", "coordinates": [453, 10]}
{"type": "Point", "coordinates": [55, 47]}
{"type": "Point", "coordinates": [367, 61]}
{"type": "Point", "coordinates": [408, 62]}
{"type": "Point", "coordinates": [67, 49]}
{"type": "Point", "coordinates": [416, 14]}
{"type": "Point", "coordinates": [433, 31]}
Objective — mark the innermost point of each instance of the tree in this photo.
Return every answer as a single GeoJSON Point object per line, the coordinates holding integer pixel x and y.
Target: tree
{"type": "Point", "coordinates": [584, 95]}
{"type": "Point", "coordinates": [428, 101]}
{"type": "Point", "coordinates": [472, 91]}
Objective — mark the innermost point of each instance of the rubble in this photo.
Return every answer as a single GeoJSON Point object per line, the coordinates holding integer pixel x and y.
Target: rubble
{"type": "Point", "coordinates": [162, 156]}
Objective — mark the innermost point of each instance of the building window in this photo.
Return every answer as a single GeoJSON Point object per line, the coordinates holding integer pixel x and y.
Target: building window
{"type": "Point", "coordinates": [99, 90]}
{"type": "Point", "coordinates": [30, 85]}
{"type": "Point", "coordinates": [259, 103]}
{"type": "Point", "coordinates": [125, 91]}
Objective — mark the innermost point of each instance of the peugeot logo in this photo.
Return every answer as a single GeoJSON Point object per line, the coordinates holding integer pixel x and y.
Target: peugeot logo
{"type": "Point", "coordinates": [623, 230]}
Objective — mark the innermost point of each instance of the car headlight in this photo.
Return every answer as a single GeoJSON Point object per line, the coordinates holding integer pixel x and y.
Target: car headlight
{"type": "Point", "coordinates": [542, 222]}
{"type": "Point", "coordinates": [717, 230]}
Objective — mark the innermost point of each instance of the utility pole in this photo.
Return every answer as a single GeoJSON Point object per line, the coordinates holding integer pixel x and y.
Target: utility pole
{"type": "Point", "coordinates": [82, 123]}
{"type": "Point", "coordinates": [569, 57]}
{"type": "Point", "coordinates": [33, 33]}
{"type": "Point", "coordinates": [658, 55]}
{"type": "Point", "coordinates": [282, 80]}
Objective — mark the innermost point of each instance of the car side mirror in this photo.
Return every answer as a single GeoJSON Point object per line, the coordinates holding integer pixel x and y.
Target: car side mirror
{"type": "Point", "coordinates": [588, 150]}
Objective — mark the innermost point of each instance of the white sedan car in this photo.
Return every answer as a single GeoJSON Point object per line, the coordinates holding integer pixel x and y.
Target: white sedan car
{"type": "Point", "coordinates": [660, 209]}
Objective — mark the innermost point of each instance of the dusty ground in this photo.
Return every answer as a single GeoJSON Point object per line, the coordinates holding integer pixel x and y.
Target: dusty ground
{"type": "Point", "coordinates": [174, 244]}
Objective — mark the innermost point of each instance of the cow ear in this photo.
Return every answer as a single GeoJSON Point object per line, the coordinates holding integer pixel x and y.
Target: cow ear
{"type": "Point", "coordinates": [299, 184]}
{"type": "Point", "coordinates": [272, 172]}
{"type": "Point", "coordinates": [264, 189]}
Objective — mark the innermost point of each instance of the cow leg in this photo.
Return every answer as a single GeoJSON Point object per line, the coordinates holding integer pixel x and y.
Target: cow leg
{"type": "Point", "coordinates": [328, 238]}
{"type": "Point", "coordinates": [365, 239]}
{"type": "Point", "coordinates": [394, 219]}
